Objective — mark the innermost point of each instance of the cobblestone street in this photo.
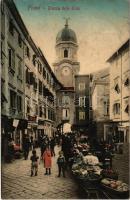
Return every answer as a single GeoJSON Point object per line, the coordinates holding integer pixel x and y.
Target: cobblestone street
{"type": "Point", "coordinates": [17, 183]}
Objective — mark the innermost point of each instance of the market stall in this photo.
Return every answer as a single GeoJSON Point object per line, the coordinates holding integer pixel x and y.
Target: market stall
{"type": "Point", "coordinates": [94, 178]}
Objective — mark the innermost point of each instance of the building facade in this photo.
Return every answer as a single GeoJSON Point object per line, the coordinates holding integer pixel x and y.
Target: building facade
{"type": "Point", "coordinates": [28, 84]}
{"type": "Point", "coordinates": [82, 107]}
{"type": "Point", "coordinates": [120, 93]}
{"type": "Point", "coordinates": [12, 76]}
{"type": "Point", "coordinates": [100, 94]}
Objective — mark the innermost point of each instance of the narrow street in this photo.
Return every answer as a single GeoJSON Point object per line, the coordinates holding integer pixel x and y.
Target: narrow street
{"type": "Point", "coordinates": [17, 183]}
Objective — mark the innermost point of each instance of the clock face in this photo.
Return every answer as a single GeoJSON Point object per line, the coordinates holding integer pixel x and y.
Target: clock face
{"type": "Point", "coordinates": [66, 71]}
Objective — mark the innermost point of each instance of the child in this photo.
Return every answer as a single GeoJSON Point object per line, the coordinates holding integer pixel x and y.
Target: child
{"type": "Point", "coordinates": [61, 163]}
{"type": "Point", "coordinates": [34, 165]}
{"type": "Point", "coordinates": [47, 160]}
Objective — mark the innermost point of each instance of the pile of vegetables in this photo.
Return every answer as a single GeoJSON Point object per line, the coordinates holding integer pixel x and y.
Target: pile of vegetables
{"type": "Point", "coordinates": [91, 160]}
{"type": "Point", "coordinates": [79, 169]}
{"type": "Point", "coordinates": [116, 185]}
{"type": "Point", "coordinates": [86, 170]}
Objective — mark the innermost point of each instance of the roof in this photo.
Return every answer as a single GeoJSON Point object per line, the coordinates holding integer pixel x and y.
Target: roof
{"type": "Point", "coordinates": [66, 34]}
{"type": "Point", "coordinates": [119, 51]}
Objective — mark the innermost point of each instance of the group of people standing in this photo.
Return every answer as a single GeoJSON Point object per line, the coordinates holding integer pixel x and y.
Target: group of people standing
{"type": "Point", "coordinates": [65, 158]}
{"type": "Point", "coordinates": [47, 152]}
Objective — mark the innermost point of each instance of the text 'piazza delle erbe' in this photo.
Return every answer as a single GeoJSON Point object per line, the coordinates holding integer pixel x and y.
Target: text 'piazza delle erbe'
{"type": "Point", "coordinates": [53, 8]}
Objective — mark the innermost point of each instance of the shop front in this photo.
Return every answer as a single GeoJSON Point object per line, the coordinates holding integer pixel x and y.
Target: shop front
{"type": "Point", "coordinates": [32, 128]}
{"type": "Point", "coordinates": [12, 130]}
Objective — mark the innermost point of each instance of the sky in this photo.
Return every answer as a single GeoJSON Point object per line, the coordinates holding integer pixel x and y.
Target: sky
{"type": "Point", "coordinates": [101, 27]}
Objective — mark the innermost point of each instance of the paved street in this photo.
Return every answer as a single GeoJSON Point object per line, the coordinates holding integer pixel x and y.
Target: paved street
{"type": "Point", "coordinates": [17, 183]}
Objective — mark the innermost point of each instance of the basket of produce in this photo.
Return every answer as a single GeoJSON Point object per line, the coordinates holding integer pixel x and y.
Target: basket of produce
{"type": "Point", "coordinates": [79, 170]}
{"type": "Point", "coordinates": [89, 177]}
{"type": "Point", "coordinates": [109, 173]}
{"type": "Point", "coordinates": [115, 187]}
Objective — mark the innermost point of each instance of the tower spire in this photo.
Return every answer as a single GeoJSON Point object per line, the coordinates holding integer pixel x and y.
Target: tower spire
{"type": "Point", "coordinates": [66, 21]}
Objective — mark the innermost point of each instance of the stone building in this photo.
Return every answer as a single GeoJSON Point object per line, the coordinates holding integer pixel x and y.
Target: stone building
{"type": "Point", "coordinates": [82, 106]}
{"type": "Point", "coordinates": [28, 84]}
{"type": "Point", "coordinates": [120, 94]}
{"type": "Point", "coordinates": [100, 94]}
{"type": "Point", "coordinates": [12, 75]}
{"type": "Point", "coordinates": [66, 67]}
{"type": "Point", "coordinates": [120, 108]}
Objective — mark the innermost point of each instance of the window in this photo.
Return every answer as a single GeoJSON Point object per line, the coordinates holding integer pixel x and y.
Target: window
{"type": "Point", "coordinates": [116, 85]}
{"type": "Point", "coordinates": [40, 111]}
{"type": "Point", "coordinates": [66, 114]}
{"type": "Point", "coordinates": [12, 99]}
{"type": "Point", "coordinates": [81, 115]}
{"type": "Point", "coordinates": [106, 108]}
{"type": "Point", "coordinates": [39, 67]}
{"type": "Point", "coordinates": [82, 101]}
{"type": "Point", "coordinates": [2, 6]}
{"type": "Point", "coordinates": [117, 89]}
{"type": "Point", "coordinates": [40, 87]}
{"type": "Point", "coordinates": [19, 68]}
{"type": "Point", "coordinates": [11, 58]}
{"type": "Point", "coordinates": [36, 109]}
{"type": "Point", "coordinates": [127, 82]}
{"type": "Point", "coordinates": [49, 114]}
{"type": "Point", "coordinates": [11, 27]}
{"type": "Point", "coordinates": [19, 103]}
{"type": "Point", "coordinates": [65, 100]}
{"type": "Point", "coordinates": [44, 73]}
{"type": "Point", "coordinates": [34, 60]}
{"type": "Point", "coordinates": [81, 86]}
{"type": "Point", "coordinates": [27, 76]}
{"type": "Point", "coordinates": [32, 78]}
{"type": "Point", "coordinates": [116, 109]}
{"type": "Point", "coordinates": [19, 40]}
{"type": "Point", "coordinates": [65, 53]}
{"type": "Point", "coordinates": [47, 78]}
{"type": "Point", "coordinates": [126, 107]}
{"type": "Point", "coordinates": [28, 107]}
{"type": "Point", "coordinates": [27, 52]}
{"type": "Point", "coordinates": [2, 52]}
{"type": "Point", "coordinates": [45, 112]}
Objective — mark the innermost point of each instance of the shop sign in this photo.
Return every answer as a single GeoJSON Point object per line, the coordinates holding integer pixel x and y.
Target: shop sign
{"type": "Point", "coordinates": [15, 123]}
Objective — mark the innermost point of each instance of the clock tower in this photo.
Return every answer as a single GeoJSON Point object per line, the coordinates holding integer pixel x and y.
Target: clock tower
{"type": "Point", "coordinates": [66, 65]}
{"type": "Point", "coordinates": [65, 68]}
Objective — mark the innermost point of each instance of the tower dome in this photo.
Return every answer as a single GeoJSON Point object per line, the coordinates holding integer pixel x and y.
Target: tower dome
{"type": "Point", "coordinates": [66, 34]}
